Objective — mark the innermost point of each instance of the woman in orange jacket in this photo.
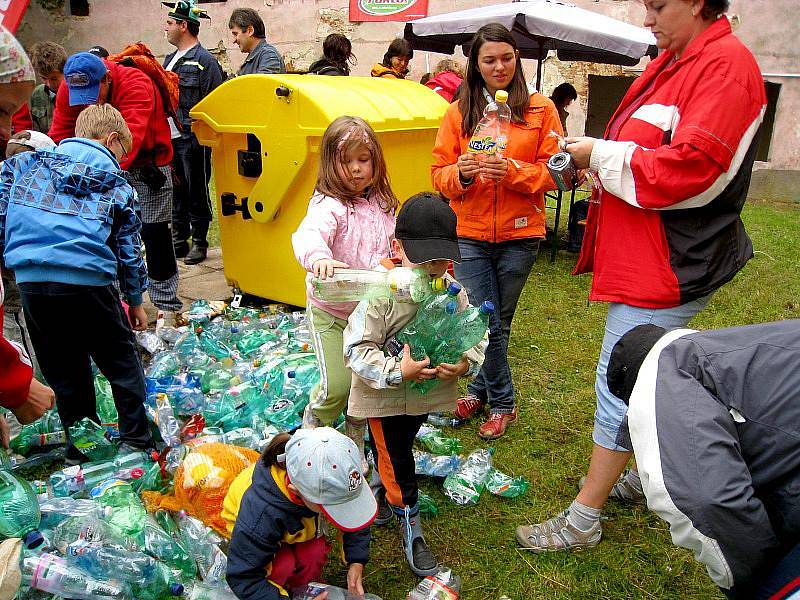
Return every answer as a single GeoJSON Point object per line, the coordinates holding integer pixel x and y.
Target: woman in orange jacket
{"type": "Point", "coordinates": [499, 203]}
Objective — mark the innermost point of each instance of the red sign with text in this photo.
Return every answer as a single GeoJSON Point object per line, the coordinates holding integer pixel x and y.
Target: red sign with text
{"type": "Point", "coordinates": [11, 12]}
{"type": "Point", "coordinates": [387, 10]}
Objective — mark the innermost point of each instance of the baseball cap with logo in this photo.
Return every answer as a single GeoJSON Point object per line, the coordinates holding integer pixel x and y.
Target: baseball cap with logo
{"type": "Point", "coordinates": [325, 467]}
{"type": "Point", "coordinates": [427, 227]}
{"type": "Point", "coordinates": [83, 73]}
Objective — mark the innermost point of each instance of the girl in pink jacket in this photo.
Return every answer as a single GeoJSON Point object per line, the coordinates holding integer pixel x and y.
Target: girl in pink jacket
{"type": "Point", "coordinates": [349, 224]}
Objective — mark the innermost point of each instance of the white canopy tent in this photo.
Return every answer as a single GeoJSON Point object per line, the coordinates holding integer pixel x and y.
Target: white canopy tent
{"type": "Point", "coordinates": [538, 26]}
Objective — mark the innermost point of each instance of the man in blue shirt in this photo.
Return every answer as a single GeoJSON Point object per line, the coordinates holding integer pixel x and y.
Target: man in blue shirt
{"type": "Point", "coordinates": [249, 34]}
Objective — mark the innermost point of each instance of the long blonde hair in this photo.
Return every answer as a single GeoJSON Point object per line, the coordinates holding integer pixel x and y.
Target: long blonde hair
{"type": "Point", "coordinates": [344, 134]}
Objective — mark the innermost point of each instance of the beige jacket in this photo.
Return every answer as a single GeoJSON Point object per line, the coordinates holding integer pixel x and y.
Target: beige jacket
{"type": "Point", "coordinates": [378, 389]}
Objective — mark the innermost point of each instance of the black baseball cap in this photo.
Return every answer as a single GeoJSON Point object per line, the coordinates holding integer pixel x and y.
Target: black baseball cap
{"type": "Point", "coordinates": [627, 357]}
{"type": "Point", "coordinates": [427, 227]}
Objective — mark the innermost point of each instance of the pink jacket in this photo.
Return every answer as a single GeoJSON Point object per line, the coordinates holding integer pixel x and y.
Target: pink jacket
{"type": "Point", "coordinates": [359, 235]}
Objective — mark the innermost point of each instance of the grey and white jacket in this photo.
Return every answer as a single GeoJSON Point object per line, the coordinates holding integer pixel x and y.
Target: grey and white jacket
{"type": "Point", "coordinates": [714, 419]}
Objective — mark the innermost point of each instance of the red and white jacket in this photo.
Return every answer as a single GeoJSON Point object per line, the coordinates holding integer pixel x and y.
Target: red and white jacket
{"type": "Point", "coordinates": [675, 168]}
{"type": "Point", "coordinates": [15, 369]}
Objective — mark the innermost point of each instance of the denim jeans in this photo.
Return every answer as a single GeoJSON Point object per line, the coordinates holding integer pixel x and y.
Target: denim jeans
{"type": "Point", "coordinates": [621, 319]}
{"type": "Point", "coordinates": [496, 272]}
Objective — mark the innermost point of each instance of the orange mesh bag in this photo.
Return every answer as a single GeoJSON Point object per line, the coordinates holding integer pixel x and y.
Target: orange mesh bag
{"type": "Point", "coordinates": [202, 481]}
{"type": "Point", "coordinates": [139, 56]}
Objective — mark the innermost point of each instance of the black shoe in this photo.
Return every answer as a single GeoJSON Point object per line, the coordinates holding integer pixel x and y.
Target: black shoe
{"type": "Point", "coordinates": [73, 456]}
{"type": "Point", "coordinates": [181, 248]}
{"type": "Point", "coordinates": [424, 560]}
{"type": "Point", "coordinates": [385, 513]}
{"type": "Point", "coordinates": [196, 255]}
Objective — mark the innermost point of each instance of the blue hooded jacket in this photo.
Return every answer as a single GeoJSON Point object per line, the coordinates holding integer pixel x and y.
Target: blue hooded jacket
{"type": "Point", "coordinates": [67, 215]}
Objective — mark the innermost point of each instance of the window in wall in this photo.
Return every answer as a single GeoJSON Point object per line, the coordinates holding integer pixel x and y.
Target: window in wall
{"type": "Point", "coordinates": [767, 127]}
{"type": "Point", "coordinates": [79, 8]}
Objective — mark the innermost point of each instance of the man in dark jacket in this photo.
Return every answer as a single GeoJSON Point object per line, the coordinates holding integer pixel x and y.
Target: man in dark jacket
{"type": "Point", "coordinates": [199, 74]}
{"type": "Point", "coordinates": [714, 419]}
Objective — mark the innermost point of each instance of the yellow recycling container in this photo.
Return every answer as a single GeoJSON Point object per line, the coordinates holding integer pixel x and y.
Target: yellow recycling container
{"type": "Point", "coordinates": [265, 133]}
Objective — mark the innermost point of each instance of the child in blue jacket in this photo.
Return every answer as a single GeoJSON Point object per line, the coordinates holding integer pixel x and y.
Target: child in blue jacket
{"type": "Point", "coordinates": [69, 229]}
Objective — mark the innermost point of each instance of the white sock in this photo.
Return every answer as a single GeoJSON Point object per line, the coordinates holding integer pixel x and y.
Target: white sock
{"type": "Point", "coordinates": [581, 516]}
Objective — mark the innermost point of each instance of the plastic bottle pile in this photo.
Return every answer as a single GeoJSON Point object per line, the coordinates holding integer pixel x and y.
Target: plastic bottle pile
{"type": "Point", "coordinates": [131, 525]}
{"type": "Point", "coordinates": [230, 378]}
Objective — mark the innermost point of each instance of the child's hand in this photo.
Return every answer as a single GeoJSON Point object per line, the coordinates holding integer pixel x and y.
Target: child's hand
{"type": "Point", "coordinates": [448, 372]}
{"type": "Point", "coordinates": [324, 267]}
{"type": "Point", "coordinates": [494, 168]}
{"type": "Point", "coordinates": [354, 584]}
{"type": "Point", "coordinates": [138, 317]}
{"type": "Point", "coordinates": [415, 370]}
{"type": "Point", "coordinates": [5, 433]}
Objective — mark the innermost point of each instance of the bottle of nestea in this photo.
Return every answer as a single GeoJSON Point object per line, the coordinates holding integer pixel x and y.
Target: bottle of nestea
{"type": "Point", "coordinates": [401, 283]}
{"type": "Point", "coordinates": [491, 133]}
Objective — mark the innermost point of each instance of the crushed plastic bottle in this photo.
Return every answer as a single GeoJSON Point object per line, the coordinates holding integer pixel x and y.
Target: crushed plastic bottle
{"type": "Point", "coordinates": [445, 585]}
{"type": "Point", "coordinates": [401, 283]}
{"type": "Point", "coordinates": [168, 425]}
{"type": "Point", "coordinates": [437, 443]}
{"type": "Point", "coordinates": [444, 420]}
{"type": "Point", "coordinates": [500, 484]}
{"type": "Point", "coordinates": [53, 574]}
{"type": "Point", "coordinates": [314, 589]}
{"type": "Point", "coordinates": [90, 528]}
{"type": "Point", "coordinates": [161, 545]}
{"type": "Point", "coordinates": [57, 510]}
{"type": "Point", "coordinates": [162, 365]}
{"type": "Point", "coordinates": [30, 438]}
{"type": "Point", "coordinates": [218, 377]}
{"type": "Point", "coordinates": [90, 438]}
{"type": "Point", "coordinates": [126, 511]}
{"type": "Point", "coordinates": [106, 409]}
{"type": "Point", "coordinates": [465, 485]}
{"type": "Point", "coordinates": [427, 507]}
{"type": "Point", "coordinates": [203, 544]}
{"type": "Point", "coordinates": [19, 510]}
{"type": "Point", "coordinates": [435, 466]}
{"type": "Point", "coordinates": [77, 478]}
{"type": "Point", "coordinates": [204, 591]}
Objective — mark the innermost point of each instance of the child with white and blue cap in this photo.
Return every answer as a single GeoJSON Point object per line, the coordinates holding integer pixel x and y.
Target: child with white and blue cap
{"type": "Point", "coordinates": [273, 511]}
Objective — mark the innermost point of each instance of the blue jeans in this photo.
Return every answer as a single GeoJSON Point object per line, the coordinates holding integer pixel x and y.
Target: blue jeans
{"type": "Point", "coordinates": [496, 272]}
{"type": "Point", "coordinates": [622, 318]}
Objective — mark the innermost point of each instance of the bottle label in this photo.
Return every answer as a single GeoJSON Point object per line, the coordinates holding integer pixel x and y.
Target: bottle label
{"type": "Point", "coordinates": [100, 490]}
{"type": "Point", "coordinates": [482, 145]}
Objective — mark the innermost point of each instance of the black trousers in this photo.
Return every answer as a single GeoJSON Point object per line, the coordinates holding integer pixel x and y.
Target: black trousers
{"type": "Point", "coordinates": [68, 324]}
{"type": "Point", "coordinates": [191, 206]}
{"type": "Point", "coordinates": [392, 441]}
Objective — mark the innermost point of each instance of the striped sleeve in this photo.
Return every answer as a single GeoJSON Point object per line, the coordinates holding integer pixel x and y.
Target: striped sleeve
{"type": "Point", "coordinates": [705, 147]}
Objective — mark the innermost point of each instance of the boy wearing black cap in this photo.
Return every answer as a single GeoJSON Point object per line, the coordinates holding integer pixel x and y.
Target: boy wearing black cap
{"type": "Point", "coordinates": [425, 237]}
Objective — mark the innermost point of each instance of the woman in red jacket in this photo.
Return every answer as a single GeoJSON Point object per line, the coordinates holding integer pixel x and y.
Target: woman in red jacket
{"type": "Point", "coordinates": [499, 203]}
{"type": "Point", "coordinates": [664, 232]}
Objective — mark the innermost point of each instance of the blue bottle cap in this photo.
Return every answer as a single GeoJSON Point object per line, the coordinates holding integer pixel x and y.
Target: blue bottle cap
{"type": "Point", "coordinates": [487, 307]}
{"type": "Point", "coordinates": [454, 289]}
{"type": "Point", "coordinates": [33, 539]}
{"type": "Point", "coordinates": [234, 329]}
{"type": "Point", "coordinates": [451, 307]}
{"type": "Point", "coordinates": [176, 589]}
{"type": "Point", "coordinates": [291, 374]}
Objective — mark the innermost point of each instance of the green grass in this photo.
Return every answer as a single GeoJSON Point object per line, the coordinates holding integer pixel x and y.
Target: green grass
{"type": "Point", "coordinates": [554, 346]}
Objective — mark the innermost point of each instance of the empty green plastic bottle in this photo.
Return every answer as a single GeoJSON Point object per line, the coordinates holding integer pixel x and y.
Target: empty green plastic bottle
{"type": "Point", "coordinates": [90, 438]}
{"type": "Point", "coordinates": [126, 510]}
{"type": "Point", "coordinates": [19, 510]}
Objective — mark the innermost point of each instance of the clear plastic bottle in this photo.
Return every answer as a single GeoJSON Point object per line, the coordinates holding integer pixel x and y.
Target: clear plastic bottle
{"type": "Point", "coordinates": [401, 283]}
{"type": "Point", "coordinates": [19, 510]}
{"type": "Point", "coordinates": [126, 510]}
{"type": "Point", "coordinates": [491, 133]}
{"type": "Point", "coordinates": [443, 586]}
{"type": "Point", "coordinates": [313, 590]}
{"type": "Point", "coordinates": [168, 425]}
{"type": "Point", "coordinates": [50, 573]}
{"type": "Point", "coordinates": [466, 485]}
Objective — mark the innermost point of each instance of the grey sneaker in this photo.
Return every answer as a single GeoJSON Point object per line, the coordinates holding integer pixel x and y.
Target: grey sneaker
{"type": "Point", "coordinates": [557, 534]}
{"type": "Point", "coordinates": [623, 490]}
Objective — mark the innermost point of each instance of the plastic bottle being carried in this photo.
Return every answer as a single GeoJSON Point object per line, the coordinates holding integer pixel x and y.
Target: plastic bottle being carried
{"type": "Point", "coordinates": [19, 510]}
{"type": "Point", "coordinates": [50, 573]}
{"type": "Point", "coordinates": [401, 283]}
{"type": "Point", "coordinates": [491, 133]}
